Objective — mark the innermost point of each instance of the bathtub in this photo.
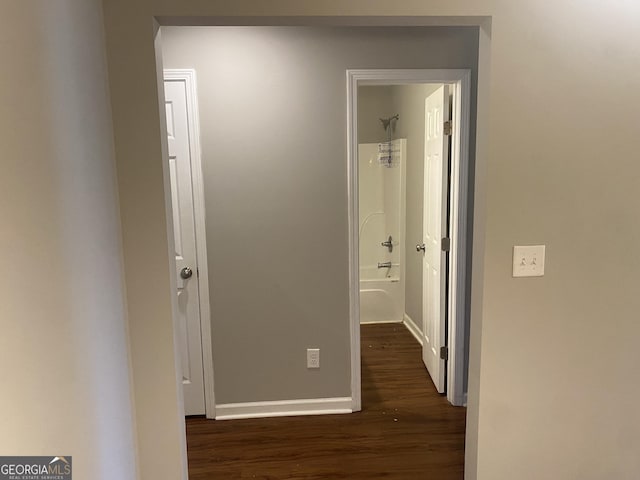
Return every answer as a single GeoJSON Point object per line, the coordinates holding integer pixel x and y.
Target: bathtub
{"type": "Point", "coordinates": [381, 296]}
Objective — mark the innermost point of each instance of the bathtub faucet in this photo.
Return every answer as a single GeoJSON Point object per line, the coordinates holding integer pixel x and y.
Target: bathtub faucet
{"type": "Point", "coordinates": [388, 243]}
{"type": "Point", "coordinates": [384, 265]}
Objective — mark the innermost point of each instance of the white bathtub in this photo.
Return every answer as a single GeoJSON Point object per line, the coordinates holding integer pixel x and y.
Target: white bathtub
{"type": "Point", "coordinates": [381, 298]}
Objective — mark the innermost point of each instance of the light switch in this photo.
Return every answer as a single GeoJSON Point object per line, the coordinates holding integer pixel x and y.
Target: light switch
{"type": "Point", "coordinates": [528, 261]}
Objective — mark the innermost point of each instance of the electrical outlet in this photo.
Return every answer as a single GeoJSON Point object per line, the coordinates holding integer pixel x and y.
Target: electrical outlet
{"type": "Point", "coordinates": [528, 261]}
{"type": "Point", "coordinates": [313, 358]}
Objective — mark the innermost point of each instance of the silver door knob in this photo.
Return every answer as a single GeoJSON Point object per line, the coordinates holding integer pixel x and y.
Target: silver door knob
{"type": "Point", "coordinates": [420, 247]}
{"type": "Point", "coordinates": [186, 272]}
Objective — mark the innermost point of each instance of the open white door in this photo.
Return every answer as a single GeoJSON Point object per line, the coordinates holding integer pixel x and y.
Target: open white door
{"type": "Point", "coordinates": [436, 161]}
{"type": "Point", "coordinates": [185, 245]}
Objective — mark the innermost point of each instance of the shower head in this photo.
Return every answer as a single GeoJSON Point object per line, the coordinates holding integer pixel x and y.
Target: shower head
{"type": "Point", "coordinates": [386, 122]}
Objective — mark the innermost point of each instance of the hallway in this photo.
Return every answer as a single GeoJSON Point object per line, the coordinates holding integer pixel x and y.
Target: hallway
{"type": "Point", "coordinates": [405, 431]}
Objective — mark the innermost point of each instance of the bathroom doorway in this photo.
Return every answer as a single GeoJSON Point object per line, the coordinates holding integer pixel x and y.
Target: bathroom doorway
{"type": "Point", "coordinates": [409, 238]}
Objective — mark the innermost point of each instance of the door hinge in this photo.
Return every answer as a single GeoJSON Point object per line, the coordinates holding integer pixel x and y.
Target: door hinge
{"type": "Point", "coordinates": [444, 353]}
{"type": "Point", "coordinates": [446, 244]}
{"type": "Point", "coordinates": [447, 127]}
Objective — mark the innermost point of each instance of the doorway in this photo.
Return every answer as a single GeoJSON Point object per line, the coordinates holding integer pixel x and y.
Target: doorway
{"type": "Point", "coordinates": [275, 203]}
{"type": "Point", "coordinates": [408, 243]}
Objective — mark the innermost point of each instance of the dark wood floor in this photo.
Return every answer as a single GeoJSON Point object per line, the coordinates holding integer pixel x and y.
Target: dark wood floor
{"type": "Point", "coordinates": [405, 431]}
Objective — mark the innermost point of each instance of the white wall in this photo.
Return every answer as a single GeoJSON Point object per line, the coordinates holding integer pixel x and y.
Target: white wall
{"type": "Point", "coordinates": [381, 215]}
{"type": "Point", "coordinates": [372, 224]}
{"type": "Point", "coordinates": [63, 348]}
{"type": "Point", "coordinates": [380, 205]}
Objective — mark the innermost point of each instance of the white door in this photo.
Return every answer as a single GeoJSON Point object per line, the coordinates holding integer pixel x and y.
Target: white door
{"type": "Point", "coordinates": [436, 161]}
{"type": "Point", "coordinates": [185, 245]}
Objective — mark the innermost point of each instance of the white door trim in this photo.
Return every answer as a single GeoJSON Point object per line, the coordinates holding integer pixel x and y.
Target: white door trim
{"type": "Point", "coordinates": [460, 80]}
{"type": "Point", "coordinates": [188, 76]}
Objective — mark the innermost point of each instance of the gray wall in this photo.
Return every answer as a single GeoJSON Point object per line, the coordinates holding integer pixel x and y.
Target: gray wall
{"type": "Point", "coordinates": [373, 103]}
{"type": "Point", "coordinates": [63, 348]}
{"type": "Point", "coordinates": [273, 121]}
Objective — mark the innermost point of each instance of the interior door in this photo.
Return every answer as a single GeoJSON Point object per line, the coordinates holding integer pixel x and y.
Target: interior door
{"type": "Point", "coordinates": [185, 246]}
{"type": "Point", "coordinates": [436, 160]}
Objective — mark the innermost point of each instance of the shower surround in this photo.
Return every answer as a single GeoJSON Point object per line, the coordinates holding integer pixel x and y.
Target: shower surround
{"type": "Point", "coordinates": [381, 170]}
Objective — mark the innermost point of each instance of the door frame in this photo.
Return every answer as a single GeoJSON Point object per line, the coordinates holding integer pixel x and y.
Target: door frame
{"type": "Point", "coordinates": [188, 77]}
{"type": "Point", "coordinates": [460, 81]}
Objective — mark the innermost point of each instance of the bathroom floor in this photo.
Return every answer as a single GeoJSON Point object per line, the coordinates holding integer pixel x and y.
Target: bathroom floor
{"type": "Point", "coordinates": [406, 430]}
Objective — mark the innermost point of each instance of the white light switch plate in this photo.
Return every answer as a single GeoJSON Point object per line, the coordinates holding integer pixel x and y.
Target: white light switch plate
{"type": "Point", "coordinates": [528, 261]}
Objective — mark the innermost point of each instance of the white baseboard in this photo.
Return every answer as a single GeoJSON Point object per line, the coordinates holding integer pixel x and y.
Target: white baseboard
{"type": "Point", "coordinates": [381, 322]}
{"type": "Point", "coordinates": [413, 328]}
{"type": "Point", "coordinates": [284, 408]}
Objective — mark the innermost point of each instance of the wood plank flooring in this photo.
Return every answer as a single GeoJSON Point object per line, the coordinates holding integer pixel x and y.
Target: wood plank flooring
{"type": "Point", "coordinates": [405, 431]}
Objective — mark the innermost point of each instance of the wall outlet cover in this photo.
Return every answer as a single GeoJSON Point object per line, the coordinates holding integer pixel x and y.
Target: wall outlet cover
{"type": "Point", "coordinates": [313, 358]}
